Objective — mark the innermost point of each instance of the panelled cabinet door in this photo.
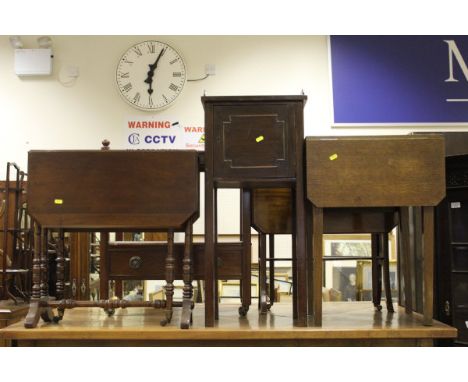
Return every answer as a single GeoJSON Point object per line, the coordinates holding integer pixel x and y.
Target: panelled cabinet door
{"type": "Point", "coordinates": [254, 140]}
{"type": "Point", "coordinates": [254, 137]}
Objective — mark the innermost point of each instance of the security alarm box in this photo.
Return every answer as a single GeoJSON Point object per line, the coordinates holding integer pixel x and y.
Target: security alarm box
{"type": "Point", "coordinates": [33, 62]}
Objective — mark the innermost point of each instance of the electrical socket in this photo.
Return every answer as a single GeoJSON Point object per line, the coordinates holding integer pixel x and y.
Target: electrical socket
{"type": "Point", "coordinates": [210, 69]}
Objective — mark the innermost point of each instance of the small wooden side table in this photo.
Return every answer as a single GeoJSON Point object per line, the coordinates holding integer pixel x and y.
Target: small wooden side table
{"type": "Point", "coordinates": [111, 190]}
{"type": "Point", "coordinates": [375, 172]}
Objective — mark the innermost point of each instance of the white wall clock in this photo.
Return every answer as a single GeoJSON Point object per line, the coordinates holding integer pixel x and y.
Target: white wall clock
{"type": "Point", "coordinates": [151, 75]}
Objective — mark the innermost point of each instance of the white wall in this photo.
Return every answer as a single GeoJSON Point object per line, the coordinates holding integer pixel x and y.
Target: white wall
{"type": "Point", "coordinates": [41, 113]}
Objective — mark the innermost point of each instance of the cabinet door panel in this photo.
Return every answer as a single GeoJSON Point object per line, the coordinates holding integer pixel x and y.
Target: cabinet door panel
{"type": "Point", "coordinates": [254, 141]}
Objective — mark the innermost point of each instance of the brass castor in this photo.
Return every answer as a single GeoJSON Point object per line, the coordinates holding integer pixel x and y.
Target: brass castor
{"type": "Point", "coordinates": [163, 322]}
{"type": "Point", "coordinates": [378, 308]}
{"type": "Point", "coordinates": [110, 312]}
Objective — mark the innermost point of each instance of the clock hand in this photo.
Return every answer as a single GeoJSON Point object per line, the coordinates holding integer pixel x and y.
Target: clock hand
{"type": "Point", "coordinates": [154, 66]}
{"type": "Point", "coordinates": [149, 79]}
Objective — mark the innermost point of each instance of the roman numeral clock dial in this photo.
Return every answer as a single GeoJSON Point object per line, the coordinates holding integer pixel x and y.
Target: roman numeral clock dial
{"type": "Point", "coordinates": [150, 75]}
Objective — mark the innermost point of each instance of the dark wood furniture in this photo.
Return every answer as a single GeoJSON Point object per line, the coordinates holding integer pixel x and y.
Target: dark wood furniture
{"type": "Point", "coordinates": [344, 324]}
{"type": "Point", "coordinates": [253, 142]}
{"type": "Point", "coordinates": [365, 180]}
{"type": "Point", "coordinates": [15, 236]}
{"type": "Point", "coordinates": [127, 191]}
{"type": "Point", "coordinates": [145, 260]}
{"type": "Point", "coordinates": [451, 251]}
{"type": "Point", "coordinates": [272, 214]}
{"type": "Point", "coordinates": [79, 259]}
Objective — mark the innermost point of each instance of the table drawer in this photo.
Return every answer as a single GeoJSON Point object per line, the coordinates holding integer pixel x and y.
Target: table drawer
{"type": "Point", "coordinates": [146, 261]}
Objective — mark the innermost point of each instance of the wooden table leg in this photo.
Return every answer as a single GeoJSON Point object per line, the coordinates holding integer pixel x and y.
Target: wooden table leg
{"type": "Point", "coordinates": [376, 282]}
{"type": "Point", "coordinates": [103, 269]}
{"type": "Point", "coordinates": [44, 286]}
{"type": "Point", "coordinates": [386, 273]}
{"type": "Point", "coordinates": [36, 276]}
{"type": "Point", "coordinates": [428, 227]}
{"type": "Point", "coordinates": [300, 253]}
{"type": "Point", "coordinates": [216, 286]}
{"type": "Point", "coordinates": [210, 261]}
{"type": "Point", "coordinates": [169, 287]}
{"type": "Point", "coordinates": [33, 315]}
{"type": "Point", "coordinates": [271, 242]}
{"type": "Point", "coordinates": [118, 289]}
{"type": "Point", "coordinates": [317, 232]}
{"type": "Point", "coordinates": [246, 253]}
{"type": "Point", "coordinates": [310, 259]}
{"type": "Point", "coordinates": [405, 256]}
{"type": "Point", "coordinates": [46, 312]}
{"type": "Point", "coordinates": [60, 284]}
{"type": "Point", "coordinates": [294, 277]}
{"type": "Point", "coordinates": [186, 318]}
{"type": "Point", "coordinates": [262, 274]}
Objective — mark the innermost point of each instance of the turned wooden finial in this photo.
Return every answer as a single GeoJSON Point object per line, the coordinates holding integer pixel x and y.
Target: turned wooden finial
{"type": "Point", "coordinates": [105, 145]}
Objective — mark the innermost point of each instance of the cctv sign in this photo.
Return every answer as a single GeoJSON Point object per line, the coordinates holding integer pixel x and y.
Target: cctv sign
{"type": "Point", "coordinates": [153, 133]}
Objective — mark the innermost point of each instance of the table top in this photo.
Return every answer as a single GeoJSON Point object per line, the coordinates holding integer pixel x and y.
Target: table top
{"type": "Point", "coordinates": [378, 171]}
{"type": "Point", "coordinates": [115, 189]}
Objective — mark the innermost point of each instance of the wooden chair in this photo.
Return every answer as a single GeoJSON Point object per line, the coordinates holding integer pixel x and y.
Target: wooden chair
{"type": "Point", "coordinates": [105, 191]}
{"type": "Point", "coordinates": [360, 183]}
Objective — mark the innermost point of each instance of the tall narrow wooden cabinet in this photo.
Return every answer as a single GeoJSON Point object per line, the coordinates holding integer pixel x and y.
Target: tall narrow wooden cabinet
{"type": "Point", "coordinates": [253, 142]}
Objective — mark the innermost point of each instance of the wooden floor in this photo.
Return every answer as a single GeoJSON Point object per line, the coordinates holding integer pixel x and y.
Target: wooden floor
{"type": "Point", "coordinates": [344, 324]}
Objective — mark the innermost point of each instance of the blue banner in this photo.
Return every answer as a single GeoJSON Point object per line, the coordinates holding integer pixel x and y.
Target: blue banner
{"type": "Point", "coordinates": [399, 79]}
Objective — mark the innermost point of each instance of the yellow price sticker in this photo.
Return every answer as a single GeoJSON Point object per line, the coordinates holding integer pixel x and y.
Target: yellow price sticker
{"type": "Point", "coordinates": [260, 138]}
{"type": "Point", "coordinates": [333, 157]}
{"type": "Point", "coordinates": [58, 201]}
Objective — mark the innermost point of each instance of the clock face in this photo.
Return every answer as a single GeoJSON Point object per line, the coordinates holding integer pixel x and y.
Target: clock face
{"type": "Point", "coordinates": [151, 75]}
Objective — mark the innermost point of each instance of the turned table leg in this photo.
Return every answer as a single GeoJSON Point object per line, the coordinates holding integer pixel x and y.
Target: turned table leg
{"type": "Point", "coordinates": [169, 287]}
{"type": "Point", "coordinates": [186, 318]}
{"type": "Point", "coordinates": [46, 312]}
{"type": "Point", "coordinates": [60, 284]}
{"type": "Point", "coordinates": [34, 313]}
